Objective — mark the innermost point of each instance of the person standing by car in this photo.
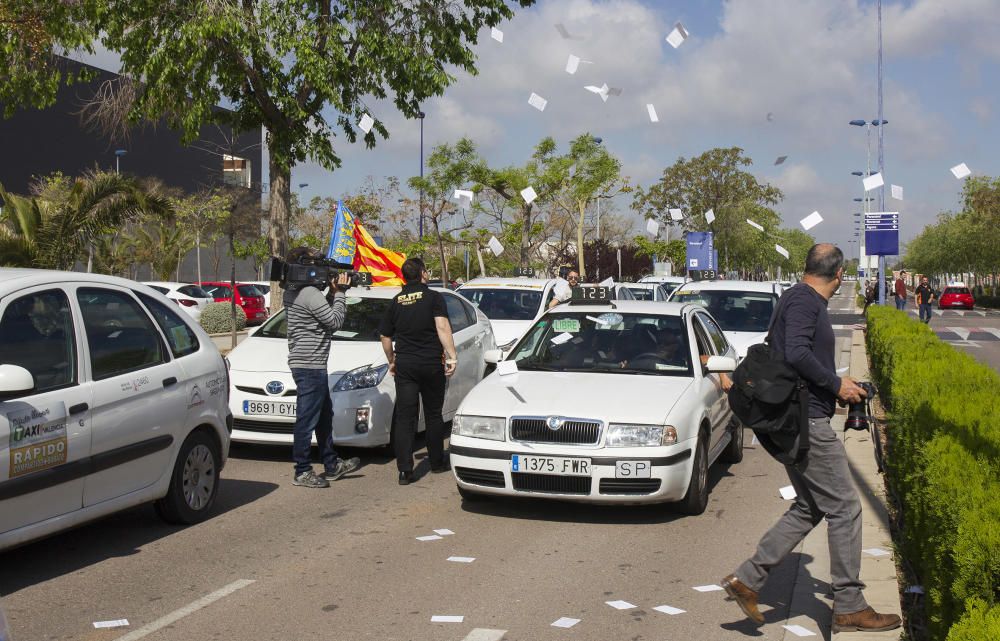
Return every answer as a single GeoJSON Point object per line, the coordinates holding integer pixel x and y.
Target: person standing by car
{"type": "Point", "coordinates": [924, 296]}
{"type": "Point", "coordinates": [423, 358]}
{"type": "Point", "coordinates": [312, 320]}
{"type": "Point", "coordinates": [900, 291]}
{"type": "Point", "coordinates": [563, 289]}
{"type": "Point", "coordinates": [803, 335]}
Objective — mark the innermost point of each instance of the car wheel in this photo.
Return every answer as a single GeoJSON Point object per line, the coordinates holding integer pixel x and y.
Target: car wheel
{"type": "Point", "coordinates": [194, 482]}
{"type": "Point", "coordinates": [469, 495]}
{"type": "Point", "coordinates": [734, 451]}
{"type": "Point", "coordinates": [696, 499]}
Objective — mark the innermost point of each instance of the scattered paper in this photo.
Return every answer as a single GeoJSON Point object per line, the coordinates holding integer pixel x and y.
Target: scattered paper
{"type": "Point", "coordinates": [601, 91]}
{"type": "Point", "coordinates": [780, 159]}
{"type": "Point", "coordinates": [652, 113]}
{"type": "Point", "coordinates": [710, 216]}
{"type": "Point", "coordinates": [507, 368]}
{"type": "Point", "coordinates": [877, 552]}
{"type": "Point", "coordinates": [614, 91]}
{"type": "Point", "coordinates": [770, 116]}
{"type": "Point", "coordinates": [572, 63]}
{"type": "Point", "coordinates": [429, 537]}
{"type": "Point", "coordinates": [754, 440]}
{"type": "Point", "coordinates": [788, 492]}
{"type": "Point", "coordinates": [676, 214]}
{"type": "Point", "coordinates": [652, 226]}
{"type": "Point", "coordinates": [495, 246]}
{"type": "Point", "coordinates": [344, 333]}
{"type": "Point", "coordinates": [444, 532]}
{"type": "Point", "coordinates": [799, 631]}
{"type": "Point", "coordinates": [843, 370]}
{"type": "Point", "coordinates": [755, 225]}
{"type": "Point", "coordinates": [607, 282]}
{"type": "Point", "coordinates": [781, 250]}
{"type": "Point", "coordinates": [529, 195]}
{"type": "Point", "coordinates": [598, 321]}
{"type": "Point", "coordinates": [897, 192]}
{"type": "Point", "coordinates": [677, 37]}
{"type": "Point", "coordinates": [707, 588]}
{"type": "Point", "coordinates": [915, 589]}
{"type": "Point", "coordinates": [666, 609]}
{"type": "Point", "coordinates": [366, 123]}
{"type": "Point", "coordinates": [565, 622]}
{"type": "Point", "coordinates": [811, 221]}
{"type": "Point", "coordinates": [537, 101]}
{"type": "Point", "coordinates": [463, 193]}
{"type": "Point", "coordinates": [447, 618]}
{"type": "Point", "coordinates": [961, 170]}
{"type": "Point", "coordinates": [117, 623]}
{"type": "Point", "coordinates": [621, 605]}
{"type": "Point", "coordinates": [462, 559]}
{"type": "Point", "coordinates": [873, 182]}
{"type": "Point", "coordinates": [496, 34]}
{"type": "Point", "coordinates": [565, 337]}
{"type": "Point", "coordinates": [562, 32]}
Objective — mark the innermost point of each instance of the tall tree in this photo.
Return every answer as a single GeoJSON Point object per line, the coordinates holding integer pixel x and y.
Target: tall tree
{"type": "Point", "coordinates": [202, 216]}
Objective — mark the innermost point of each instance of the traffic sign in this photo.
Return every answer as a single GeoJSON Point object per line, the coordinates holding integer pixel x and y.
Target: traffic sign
{"type": "Point", "coordinates": [882, 233]}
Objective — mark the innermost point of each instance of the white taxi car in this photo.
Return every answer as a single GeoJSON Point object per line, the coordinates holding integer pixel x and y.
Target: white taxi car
{"type": "Point", "coordinates": [109, 397]}
{"type": "Point", "coordinates": [511, 304]}
{"type": "Point", "coordinates": [655, 292]}
{"type": "Point", "coordinates": [618, 402]}
{"type": "Point", "coordinates": [743, 308]}
{"type": "Point", "coordinates": [263, 392]}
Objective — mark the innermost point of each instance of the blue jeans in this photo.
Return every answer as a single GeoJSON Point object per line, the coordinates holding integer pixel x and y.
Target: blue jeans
{"type": "Point", "coordinates": [925, 312]}
{"type": "Point", "coordinates": [313, 413]}
{"type": "Point", "coordinates": [900, 303]}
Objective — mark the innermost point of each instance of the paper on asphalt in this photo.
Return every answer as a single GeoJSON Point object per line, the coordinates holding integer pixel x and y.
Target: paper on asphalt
{"type": "Point", "coordinates": [677, 37]}
{"type": "Point", "coordinates": [429, 537]}
{"type": "Point", "coordinates": [537, 101]}
{"type": "Point", "coordinates": [495, 246]}
{"type": "Point", "coordinates": [462, 559]}
{"type": "Point", "coordinates": [788, 492]}
{"type": "Point", "coordinates": [529, 195]}
{"type": "Point", "coordinates": [444, 532]}
{"type": "Point", "coordinates": [781, 250]}
{"type": "Point", "coordinates": [447, 618]}
{"type": "Point", "coordinates": [496, 34]}
{"type": "Point", "coordinates": [799, 631]}
{"type": "Point", "coordinates": [666, 609]}
{"type": "Point", "coordinates": [707, 588]}
{"type": "Point", "coordinates": [811, 221]}
{"type": "Point", "coordinates": [366, 123]}
{"type": "Point", "coordinates": [652, 226]}
{"type": "Point", "coordinates": [873, 182]}
{"type": "Point", "coordinates": [961, 170]}
{"type": "Point", "coordinates": [572, 63]}
{"type": "Point", "coordinates": [565, 622]}
{"type": "Point", "coordinates": [877, 552]}
{"type": "Point", "coordinates": [676, 214]}
{"type": "Point", "coordinates": [710, 216]}
{"type": "Point", "coordinates": [755, 225]}
{"type": "Point", "coordinates": [117, 623]}
{"type": "Point", "coordinates": [621, 605]}
{"type": "Point", "coordinates": [897, 192]}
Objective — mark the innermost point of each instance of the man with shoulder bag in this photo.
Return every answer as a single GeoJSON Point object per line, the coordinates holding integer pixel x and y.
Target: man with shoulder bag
{"type": "Point", "coordinates": [786, 390]}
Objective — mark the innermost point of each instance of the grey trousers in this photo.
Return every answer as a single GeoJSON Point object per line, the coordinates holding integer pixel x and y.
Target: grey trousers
{"type": "Point", "coordinates": [825, 490]}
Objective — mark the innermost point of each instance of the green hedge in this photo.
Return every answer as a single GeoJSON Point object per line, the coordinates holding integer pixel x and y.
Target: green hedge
{"type": "Point", "coordinates": [944, 417]}
{"type": "Point", "coordinates": [988, 301]}
{"type": "Point", "coordinates": [217, 318]}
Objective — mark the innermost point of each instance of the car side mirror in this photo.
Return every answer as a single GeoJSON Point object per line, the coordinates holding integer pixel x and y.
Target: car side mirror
{"type": "Point", "coordinates": [720, 365]}
{"type": "Point", "coordinates": [492, 356]}
{"type": "Point", "coordinates": [15, 381]}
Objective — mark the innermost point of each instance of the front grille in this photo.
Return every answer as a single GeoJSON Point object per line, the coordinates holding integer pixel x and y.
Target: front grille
{"type": "Point", "coordinates": [550, 484]}
{"type": "Point", "coordinates": [265, 427]}
{"type": "Point", "coordinates": [259, 391]}
{"type": "Point", "coordinates": [629, 486]}
{"type": "Point", "coordinates": [489, 478]}
{"type": "Point", "coordinates": [572, 432]}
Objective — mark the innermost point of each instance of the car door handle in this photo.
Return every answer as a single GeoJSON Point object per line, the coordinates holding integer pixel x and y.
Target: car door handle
{"type": "Point", "coordinates": [172, 380]}
{"type": "Point", "coordinates": [79, 407]}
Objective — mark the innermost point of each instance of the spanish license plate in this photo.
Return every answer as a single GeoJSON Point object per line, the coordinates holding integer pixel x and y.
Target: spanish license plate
{"type": "Point", "coordinates": [633, 470]}
{"type": "Point", "coordinates": [550, 465]}
{"type": "Point", "coordinates": [268, 408]}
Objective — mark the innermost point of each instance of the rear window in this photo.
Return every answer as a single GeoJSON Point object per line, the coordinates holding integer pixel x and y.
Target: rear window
{"type": "Point", "coordinates": [249, 290]}
{"type": "Point", "coordinates": [162, 290]}
{"type": "Point", "coordinates": [218, 291]}
{"type": "Point", "coordinates": [193, 291]}
{"type": "Point", "coordinates": [957, 290]}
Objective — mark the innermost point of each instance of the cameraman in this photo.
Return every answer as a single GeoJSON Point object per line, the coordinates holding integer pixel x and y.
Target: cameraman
{"type": "Point", "coordinates": [312, 320]}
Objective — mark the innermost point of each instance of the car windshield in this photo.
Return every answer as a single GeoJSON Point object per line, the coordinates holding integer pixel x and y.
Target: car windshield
{"type": "Point", "coordinates": [249, 290]}
{"type": "Point", "coordinates": [504, 304]}
{"type": "Point", "coordinates": [193, 291]}
{"type": "Point", "coordinates": [641, 293]}
{"type": "Point", "coordinates": [608, 343]}
{"type": "Point", "coordinates": [735, 311]}
{"type": "Point", "coordinates": [360, 324]}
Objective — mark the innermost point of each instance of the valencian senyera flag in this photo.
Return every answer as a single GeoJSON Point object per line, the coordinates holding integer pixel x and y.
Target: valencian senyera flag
{"type": "Point", "coordinates": [351, 242]}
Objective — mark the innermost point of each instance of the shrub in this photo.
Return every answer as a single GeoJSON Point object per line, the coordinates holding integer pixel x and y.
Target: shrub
{"type": "Point", "coordinates": [217, 318]}
{"type": "Point", "coordinates": [988, 301]}
{"type": "Point", "coordinates": [945, 465]}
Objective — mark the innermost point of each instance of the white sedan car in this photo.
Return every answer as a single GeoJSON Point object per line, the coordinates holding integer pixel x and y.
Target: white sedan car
{"type": "Point", "coordinates": [655, 292]}
{"type": "Point", "coordinates": [109, 398]}
{"type": "Point", "coordinates": [263, 394]}
{"type": "Point", "coordinates": [742, 308]}
{"type": "Point", "coordinates": [190, 298]}
{"type": "Point", "coordinates": [613, 403]}
{"type": "Point", "coordinates": [511, 304]}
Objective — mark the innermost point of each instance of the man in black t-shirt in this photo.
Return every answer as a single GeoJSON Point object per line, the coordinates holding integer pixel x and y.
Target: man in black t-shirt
{"type": "Point", "coordinates": [423, 357]}
{"type": "Point", "coordinates": [924, 296]}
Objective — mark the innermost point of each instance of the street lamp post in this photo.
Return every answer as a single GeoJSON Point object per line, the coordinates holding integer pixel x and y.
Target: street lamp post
{"type": "Point", "coordinates": [420, 115]}
{"type": "Point", "coordinates": [868, 167]}
{"type": "Point", "coordinates": [118, 156]}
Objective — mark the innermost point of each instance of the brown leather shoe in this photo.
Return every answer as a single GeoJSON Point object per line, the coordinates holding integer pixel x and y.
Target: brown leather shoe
{"type": "Point", "coordinates": [744, 597]}
{"type": "Point", "coordinates": [867, 620]}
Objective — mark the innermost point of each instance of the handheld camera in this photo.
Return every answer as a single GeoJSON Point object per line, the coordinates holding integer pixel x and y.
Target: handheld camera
{"type": "Point", "coordinates": [315, 272]}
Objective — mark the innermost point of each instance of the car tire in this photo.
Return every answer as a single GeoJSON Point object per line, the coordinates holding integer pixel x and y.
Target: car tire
{"type": "Point", "coordinates": [696, 499]}
{"type": "Point", "coordinates": [469, 495]}
{"type": "Point", "coordinates": [194, 483]}
{"type": "Point", "coordinates": [734, 451]}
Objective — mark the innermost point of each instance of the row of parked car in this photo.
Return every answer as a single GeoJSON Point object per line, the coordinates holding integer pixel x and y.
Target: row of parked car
{"type": "Point", "coordinates": [253, 297]}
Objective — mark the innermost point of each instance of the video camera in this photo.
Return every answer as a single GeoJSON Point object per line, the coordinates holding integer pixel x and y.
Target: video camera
{"type": "Point", "coordinates": [314, 271]}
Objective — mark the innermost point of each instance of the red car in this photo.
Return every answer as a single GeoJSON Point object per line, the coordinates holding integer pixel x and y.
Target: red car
{"type": "Point", "coordinates": [956, 297]}
{"type": "Point", "coordinates": [248, 297]}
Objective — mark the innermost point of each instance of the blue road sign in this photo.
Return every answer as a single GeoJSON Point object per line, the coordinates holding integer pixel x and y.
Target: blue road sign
{"type": "Point", "coordinates": [882, 234]}
{"type": "Point", "coordinates": [700, 251]}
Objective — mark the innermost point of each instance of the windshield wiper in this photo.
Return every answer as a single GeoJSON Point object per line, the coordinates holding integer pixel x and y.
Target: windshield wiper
{"type": "Point", "coordinates": [613, 370]}
{"type": "Point", "coordinates": [538, 367]}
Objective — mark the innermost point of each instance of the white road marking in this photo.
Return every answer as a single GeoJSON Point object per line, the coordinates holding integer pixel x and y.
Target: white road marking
{"type": "Point", "coordinates": [980, 313]}
{"type": "Point", "coordinates": [991, 330]}
{"type": "Point", "coordinates": [191, 608]}
{"type": "Point", "coordinates": [485, 634]}
{"type": "Point", "coordinates": [963, 332]}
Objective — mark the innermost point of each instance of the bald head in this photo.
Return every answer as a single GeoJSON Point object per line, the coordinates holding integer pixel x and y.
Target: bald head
{"type": "Point", "coordinates": [824, 260]}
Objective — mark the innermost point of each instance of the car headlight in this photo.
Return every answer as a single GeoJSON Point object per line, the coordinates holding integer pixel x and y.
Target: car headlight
{"type": "Point", "coordinates": [620, 435]}
{"type": "Point", "coordinates": [491, 427]}
{"type": "Point", "coordinates": [361, 377]}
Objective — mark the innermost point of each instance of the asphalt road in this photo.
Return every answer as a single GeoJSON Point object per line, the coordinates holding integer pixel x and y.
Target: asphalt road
{"type": "Point", "coordinates": [975, 332]}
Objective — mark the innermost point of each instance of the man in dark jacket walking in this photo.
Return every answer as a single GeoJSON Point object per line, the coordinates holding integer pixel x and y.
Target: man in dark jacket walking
{"type": "Point", "coordinates": [924, 296]}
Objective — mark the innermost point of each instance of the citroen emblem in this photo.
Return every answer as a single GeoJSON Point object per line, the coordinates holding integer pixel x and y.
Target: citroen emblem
{"type": "Point", "coordinates": [274, 388]}
{"type": "Point", "coordinates": [554, 423]}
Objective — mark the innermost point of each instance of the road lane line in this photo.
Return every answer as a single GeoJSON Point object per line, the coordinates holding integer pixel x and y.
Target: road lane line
{"type": "Point", "coordinates": [191, 608]}
{"type": "Point", "coordinates": [962, 332]}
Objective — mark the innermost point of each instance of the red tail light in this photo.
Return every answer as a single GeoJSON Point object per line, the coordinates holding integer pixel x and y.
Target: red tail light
{"type": "Point", "coordinates": [186, 303]}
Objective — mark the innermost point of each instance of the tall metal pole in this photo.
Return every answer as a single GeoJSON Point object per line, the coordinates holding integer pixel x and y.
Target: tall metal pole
{"type": "Point", "coordinates": [598, 246]}
{"type": "Point", "coordinates": [421, 224]}
{"type": "Point", "coordinates": [881, 167]}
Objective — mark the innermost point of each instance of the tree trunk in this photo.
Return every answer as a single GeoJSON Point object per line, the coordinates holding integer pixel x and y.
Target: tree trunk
{"type": "Point", "coordinates": [579, 243]}
{"type": "Point", "coordinates": [444, 261]}
{"type": "Point", "coordinates": [198, 253]}
{"type": "Point", "coordinates": [482, 265]}
{"type": "Point", "coordinates": [525, 236]}
{"type": "Point", "coordinates": [279, 206]}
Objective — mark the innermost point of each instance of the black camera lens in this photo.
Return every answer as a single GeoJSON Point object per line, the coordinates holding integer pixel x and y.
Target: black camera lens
{"type": "Point", "coordinates": [857, 413]}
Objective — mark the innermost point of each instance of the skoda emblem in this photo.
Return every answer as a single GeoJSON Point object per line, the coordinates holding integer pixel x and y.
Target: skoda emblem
{"type": "Point", "coordinates": [274, 388]}
{"type": "Point", "coordinates": [554, 423]}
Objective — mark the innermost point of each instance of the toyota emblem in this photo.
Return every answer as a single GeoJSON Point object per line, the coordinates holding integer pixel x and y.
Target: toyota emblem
{"type": "Point", "coordinates": [274, 388]}
{"type": "Point", "coordinates": [554, 423]}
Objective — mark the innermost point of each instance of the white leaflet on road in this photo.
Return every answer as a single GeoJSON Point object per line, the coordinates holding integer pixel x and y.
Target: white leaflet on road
{"type": "Point", "coordinates": [565, 622]}
{"type": "Point", "coordinates": [652, 113]}
{"type": "Point", "coordinates": [811, 221]}
{"type": "Point", "coordinates": [444, 532]}
{"type": "Point", "coordinates": [873, 182]}
{"type": "Point", "coordinates": [447, 618]}
{"type": "Point", "coordinates": [666, 609]}
{"type": "Point", "coordinates": [621, 605]}
{"type": "Point", "coordinates": [529, 195]}
{"type": "Point", "coordinates": [537, 101]}
{"type": "Point", "coordinates": [799, 631]}
{"type": "Point", "coordinates": [117, 623]}
{"type": "Point", "coordinates": [788, 492]}
{"type": "Point", "coordinates": [676, 214]}
{"type": "Point", "coordinates": [707, 588]}
{"type": "Point", "coordinates": [897, 192]}
{"type": "Point", "coordinates": [709, 216]}
{"type": "Point", "coordinates": [507, 368]}
{"type": "Point", "coordinates": [559, 339]}
{"type": "Point", "coordinates": [366, 123]}
{"type": "Point", "coordinates": [485, 634]}
{"type": "Point", "coordinates": [495, 246]}
{"type": "Point", "coordinates": [652, 226]}
{"type": "Point", "coordinates": [877, 552]}
{"type": "Point", "coordinates": [781, 250]}
{"type": "Point", "coordinates": [677, 37]}
{"type": "Point", "coordinates": [496, 34]}
{"type": "Point", "coordinates": [755, 225]}
{"type": "Point", "coordinates": [429, 537]}
{"type": "Point", "coordinates": [462, 559]}
{"type": "Point", "coordinates": [961, 171]}
{"type": "Point", "coordinates": [572, 63]}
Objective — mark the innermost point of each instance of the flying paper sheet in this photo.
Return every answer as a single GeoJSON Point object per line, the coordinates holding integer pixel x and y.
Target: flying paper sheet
{"type": "Point", "coordinates": [565, 622]}
{"type": "Point", "coordinates": [495, 246]}
{"type": "Point", "coordinates": [652, 113]}
{"type": "Point", "coordinates": [652, 226]}
{"type": "Point", "coordinates": [755, 225]}
{"type": "Point", "coordinates": [607, 282]}
{"type": "Point", "coordinates": [781, 250]}
{"type": "Point", "coordinates": [537, 102]}
{"type": "Point", "coordinates": [677, 36]}
{"type": "Point", "coordinates": [572, 63]}
{"type": "Point", "coordinates": [366, 123]}
{"type": "Point", "coordinates": [666, 609]}
{"type": "Point", "coordinates": [873, 182]}
{"type": "Point", "coordinates": [676, 214]}
{"type": "Point", "coordinates": [529, 195]}
{"type": "Point", "coordinates": [601, 91]}
{"type": "Point", "coordinates": [897, 192]}
{"type": "Point", "coordinates": [780, 159]}
{"type": "Point", "coordinates": [507, 368]}
{"type": "Point", "coordinates": [562, 31]}
{"type": "Point", "coordinates": [961, 171]}
{"type": "Point", "coordinates": [811, 221]}
{"type": "Point", "coordinates": [710, 216]}
{"type": "Point", "coordinates": [788, 492]}
{"type": "Point", "coordinates": [463, 193]}
{"type": "Point", "coordinates": [496, 34]}
{"type": "Point", "coordinates": [614, 91]}
{"type": "Point", "coordinates": [770, 116]}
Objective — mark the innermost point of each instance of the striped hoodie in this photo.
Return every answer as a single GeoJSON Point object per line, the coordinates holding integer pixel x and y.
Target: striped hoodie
{"type": "Point", "coordinates": [311, 324]}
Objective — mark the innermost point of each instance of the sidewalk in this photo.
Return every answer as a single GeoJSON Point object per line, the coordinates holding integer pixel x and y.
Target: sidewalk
{"type": "Point", "coordinates": [812, 602]}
